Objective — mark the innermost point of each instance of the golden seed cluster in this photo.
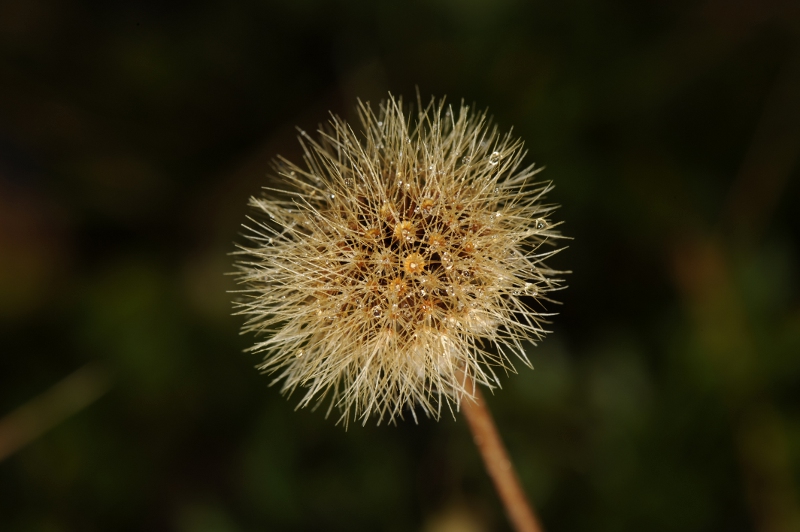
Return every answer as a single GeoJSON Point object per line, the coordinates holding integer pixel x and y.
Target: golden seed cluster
{"type": "Point", "coordinates": [394, 261]}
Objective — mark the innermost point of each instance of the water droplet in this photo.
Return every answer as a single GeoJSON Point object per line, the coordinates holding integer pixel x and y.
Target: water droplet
{"type": "Point", "coordinates": [300, 354]}
{"type": "Point", "coordinates": [447, 261]}
{"type": "Point", "coordinates": [376, 311]}
{"type": "Point", "coordinates": [269, 240]}
{"type": "Point", "coordinates": [494, 158]}
{"type": "Point", "coordinates": [466, 159]}
{"type": "Point", "coordinates": [332, 196]}
{"type": "Point", "coordinates": [540, 223]}
{"type": "Point", "coordinates": [380, 124]}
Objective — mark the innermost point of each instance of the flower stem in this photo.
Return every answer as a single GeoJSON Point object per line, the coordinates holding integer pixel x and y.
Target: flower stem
{"type": "Point", "coordinates": [497, 462]}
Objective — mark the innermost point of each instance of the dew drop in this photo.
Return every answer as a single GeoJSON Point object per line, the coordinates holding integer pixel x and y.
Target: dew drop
{"type": "Point", "coordinates": [494, 158]}
{"type": "Point", "coordinates": [527, 287]}
{"type": "Point", "coordinates": [447, 261]}
{"type": "Point", "coordinates": [376, 311]}
{"type": "Point", "coordinates": [466, 159]}
{"type": "Point", "coordinates": [380, 124]}
{"type": "Point", "coordinates": [540, 223]}
{"type": "Point", "coordinates": [332, 196]}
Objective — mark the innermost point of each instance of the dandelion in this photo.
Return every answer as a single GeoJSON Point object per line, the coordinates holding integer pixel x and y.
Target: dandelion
{"type": "Point", "coordinates": [397, 266]}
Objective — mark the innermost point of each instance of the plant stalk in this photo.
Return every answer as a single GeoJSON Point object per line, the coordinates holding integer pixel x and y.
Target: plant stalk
{"type": "Point", "coordinates": [495, 458]}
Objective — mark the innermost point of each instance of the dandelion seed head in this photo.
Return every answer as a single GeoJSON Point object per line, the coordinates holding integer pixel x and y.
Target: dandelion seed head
{"type": "Point", "coordinates": [397, 259]}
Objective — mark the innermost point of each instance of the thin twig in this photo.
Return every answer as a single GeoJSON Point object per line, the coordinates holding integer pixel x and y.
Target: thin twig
{"type": "Point", "coordinates": [497, 462]}
{"type": "Point", "coordinates": [771, 158]}
{"type": "Point", "coordinates": [67, 397]}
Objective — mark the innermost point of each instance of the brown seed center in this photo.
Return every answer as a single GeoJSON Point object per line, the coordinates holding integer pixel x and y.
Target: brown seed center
{"type": "Point", "coordinates": [414, 263]}
{"type": "Point", "coordinates": [404, 231]}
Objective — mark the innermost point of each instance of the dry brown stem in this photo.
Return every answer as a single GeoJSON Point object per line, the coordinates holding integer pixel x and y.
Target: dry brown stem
{"type": "Point", "coordinates": [66, 398]}
{"type": "Point", "coordinates": [497, 462]}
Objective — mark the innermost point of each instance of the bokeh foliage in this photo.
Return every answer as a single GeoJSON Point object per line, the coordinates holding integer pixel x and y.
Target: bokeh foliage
{"type": "Point", "coordinates": [132, 134]}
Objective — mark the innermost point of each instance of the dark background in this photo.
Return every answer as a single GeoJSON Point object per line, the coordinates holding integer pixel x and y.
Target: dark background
{"type": "Point", "coordinates": [132, 134]}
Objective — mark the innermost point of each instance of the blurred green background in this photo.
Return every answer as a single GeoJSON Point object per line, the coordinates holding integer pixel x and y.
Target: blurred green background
{"type": "Point", "coordinates": [132, 134]}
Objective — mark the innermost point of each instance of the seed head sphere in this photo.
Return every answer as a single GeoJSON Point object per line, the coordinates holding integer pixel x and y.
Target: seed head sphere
{"type": "Point", "coordinates": [397, 260]}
